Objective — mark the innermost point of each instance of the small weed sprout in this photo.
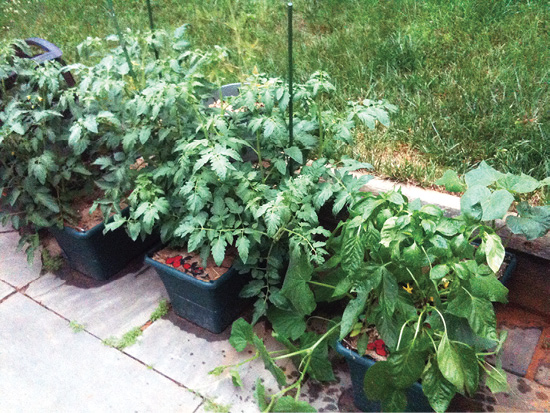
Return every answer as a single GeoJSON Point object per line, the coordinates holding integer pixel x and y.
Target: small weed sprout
{"type": "Point", "coordinates": [76, 327]}
{"type": "Point", "coordinates": [51, 263]}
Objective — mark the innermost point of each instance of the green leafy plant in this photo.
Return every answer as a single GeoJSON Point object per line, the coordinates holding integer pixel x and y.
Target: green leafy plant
{"type": "Point", "coordinates": [490, 195]}
{"type": "Point", "coordinates": [59, 144]}
{"type": "Point", "coordinates": [413, 275]}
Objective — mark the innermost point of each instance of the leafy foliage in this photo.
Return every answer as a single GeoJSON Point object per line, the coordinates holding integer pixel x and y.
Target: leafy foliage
{"type": "Point", "coordinates": [489, 195]}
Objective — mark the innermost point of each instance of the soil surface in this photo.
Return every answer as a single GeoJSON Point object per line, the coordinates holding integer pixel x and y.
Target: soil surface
{"type": "Point", "coordinates": [85, 220]}
{"type": "Point", "coordinates": [190, 263]}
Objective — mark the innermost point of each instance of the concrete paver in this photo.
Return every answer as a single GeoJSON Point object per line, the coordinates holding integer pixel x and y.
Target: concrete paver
{"type": "Point", "coordinates": [519, 348]}
{"type": "Point", "coordinates": [48, 367]}
{"type": "Point", "coordinates": [5, 290]}
{"type": "Point", "coordinates": [186, 353]}
{"type": "Point", "coordinates": [105, 308]}
{"type": "Point", "coordinates": [14, 268]}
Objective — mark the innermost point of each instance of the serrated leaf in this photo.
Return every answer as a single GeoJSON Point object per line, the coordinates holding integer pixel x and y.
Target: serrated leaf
{"type": "Point", "coordinates": [351, 313]}
{"type": "Point", "coordinates": [288, 324]}
{"type": "Point", "coordinates": [236, 378]}
{"type": "Point", "coordinates": [295, 286]}
{"type": "Point", "coordinates": [90, 123]}
{"type": "Point", "coordinates": [243, 247]}
{"type": "Point", "coordinates": [218, 250]}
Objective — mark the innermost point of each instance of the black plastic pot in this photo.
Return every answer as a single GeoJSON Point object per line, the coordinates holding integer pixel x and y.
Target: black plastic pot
{"type": "Point", "coordinates": [212, 305]}
{"type": "Point", "coordinates": [358, 366]}
{"type": "Point", "coordinates": [99, 255]}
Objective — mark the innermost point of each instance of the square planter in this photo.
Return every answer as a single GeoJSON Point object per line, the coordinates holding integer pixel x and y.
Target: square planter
{"type": "Point", "coordinates": [358, 366]}
{"type": "Point", "coordinates": [212, 305]}
{"type": "Point", "coordinates": [99, 255]}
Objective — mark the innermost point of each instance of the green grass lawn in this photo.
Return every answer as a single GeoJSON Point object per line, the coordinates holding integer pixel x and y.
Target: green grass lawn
{"type": "Point", "coordinates": [470, 77]}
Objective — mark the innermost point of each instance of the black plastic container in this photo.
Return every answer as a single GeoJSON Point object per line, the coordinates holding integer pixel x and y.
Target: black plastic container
{"type": "Point", "coordinates": [358, 366]}
{"type": "Point", "coordinates": [99, 255]}
{"type": "Point", "coordinates": [212, 305]}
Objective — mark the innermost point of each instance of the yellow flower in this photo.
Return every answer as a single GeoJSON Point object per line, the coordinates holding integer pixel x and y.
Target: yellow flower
{"type": "Point", "coordinates": [408, 288]}
{"type": "Point", "coordinates": [40, 99]}
{"type": "Point", "coordinates": [28, 97]}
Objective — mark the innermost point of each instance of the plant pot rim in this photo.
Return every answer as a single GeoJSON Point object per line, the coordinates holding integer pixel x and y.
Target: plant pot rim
{"type": "Point", "coordinates": [209, 285]}
{"type": "Point", "coordinates": [88, 233]}
{"type": "Point", "coordinates": [363, 360]}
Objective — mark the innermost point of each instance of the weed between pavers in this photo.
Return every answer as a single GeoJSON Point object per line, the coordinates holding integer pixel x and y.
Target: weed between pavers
{"type": "Point", "coordinates": [129, 338]}
{"type": "Point", "coordinates": [76, 327]}
{"type": "Point", "coordinates": [160, 311]}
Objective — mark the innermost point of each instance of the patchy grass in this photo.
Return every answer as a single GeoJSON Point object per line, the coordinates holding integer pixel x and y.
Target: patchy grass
{"type": "Point", "coordinates": [471, 77]}
{"type": "Point", "coordinates": [160, 311]}
{"type": "Point", "coordinates": [51, 263]}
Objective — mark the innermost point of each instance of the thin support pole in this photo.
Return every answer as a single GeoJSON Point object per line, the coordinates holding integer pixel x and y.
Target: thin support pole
{"type": "Point", "coordinates": [152, 26]}
{"type": "Point", "coordinates": [290, 88]}
{"type": "Point", "coordinates": [111, 10]}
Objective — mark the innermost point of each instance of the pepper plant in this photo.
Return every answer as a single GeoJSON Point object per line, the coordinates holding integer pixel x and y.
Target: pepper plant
{"type": "Point", "coordinates": [411, 273]}
{"type": "Point", "coordinates": [489, 195]}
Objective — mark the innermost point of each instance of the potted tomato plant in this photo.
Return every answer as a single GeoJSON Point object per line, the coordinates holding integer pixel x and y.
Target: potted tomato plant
{"type": "Point", "coordinates": [61, 144]}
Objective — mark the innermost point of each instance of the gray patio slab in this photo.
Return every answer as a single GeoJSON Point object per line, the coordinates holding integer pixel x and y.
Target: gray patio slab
{"type": "Point", "coordinates": [186, 353]}
{"type": "Point", "coordinates": [105, 308]}
{"type": "Point", "coordinates": [14, 268]}
{"type": "Point", "coordinates": [519, 348]}
{"type": "Point", "coordinates": [46, 367]}
{"type": "Point", "coordinates": [5, 290]}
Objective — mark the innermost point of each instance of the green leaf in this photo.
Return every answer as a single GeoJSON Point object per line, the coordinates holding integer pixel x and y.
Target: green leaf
{"type": "Point", "coordinates": [47, 200]}
{"type": "Point", "coordinates": [241, 334]}
{"type": "Point", "coordinates": [407, 365]}
{"type": "Point", "coordinates": [76, 132]}
{"type": "Point", "coordinates": [236, 378]}
{"type": "Point", "coordinates": [437, 388]}
{"type": "Point", "coordinates": [532, 222]}
{"type": "Point", "coordinates": [144, 135]}
{"type": "Point", "coordinates": [478, 311]}
{"type": "Point", "coordinates": [396, 401]}
{"type": "Point", "coordinates": [259, 395]}
{"type": "Point", "coordinates": [218, 250]}
{"type": "Point", "coordinates": [497, 205]}
{"type": "Point", "coordinates": [489, 287]}
{"type": "Point", "coordinates": [290, 404]}
{"type": "Point", "coordinates": [295, 153]}
{"type": "Point", "coordinates": [354, 308]}
{"type": "Point", "coordinates": [268, 361]}
{"type": "Point", "coordinates": [243, 247]}
{"type": "Point", "coordinates": [295, 286]}
{"type": "Point", "coordinates": [496, 380]}
{"type": "Point", "coordinates": [458, 364]}
{"type": "Point", "coordinates": [471, 201]}
{"type": "Point", "coordinates": [320, 367]}
{"type": "Point", "coordinates": [439, 271]}
{"type": "Point", "coordinates": [18, 128]}
{"type": "Point", "coordinates": [252, 289]}
{"type": "Point", "coordinates": [378, 382]}
{"type": "Point", "coordinates": [451, 181]}
{"type": "Point", "coordinates": [287, 323]}
{"type": "Point", "coordinates": [353, 250]}
{"type": "Point", "coordinates": [483, 175]}
{"type": "Point", "coordinates": [494, 250]}
{"type": "Point", "coordinates": [90, 123]}
{"type": "Point", "coordinates": [389, 292]}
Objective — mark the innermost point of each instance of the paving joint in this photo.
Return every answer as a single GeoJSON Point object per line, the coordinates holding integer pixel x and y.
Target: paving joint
{"type": "Point", "coordinates": [147, 324]}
